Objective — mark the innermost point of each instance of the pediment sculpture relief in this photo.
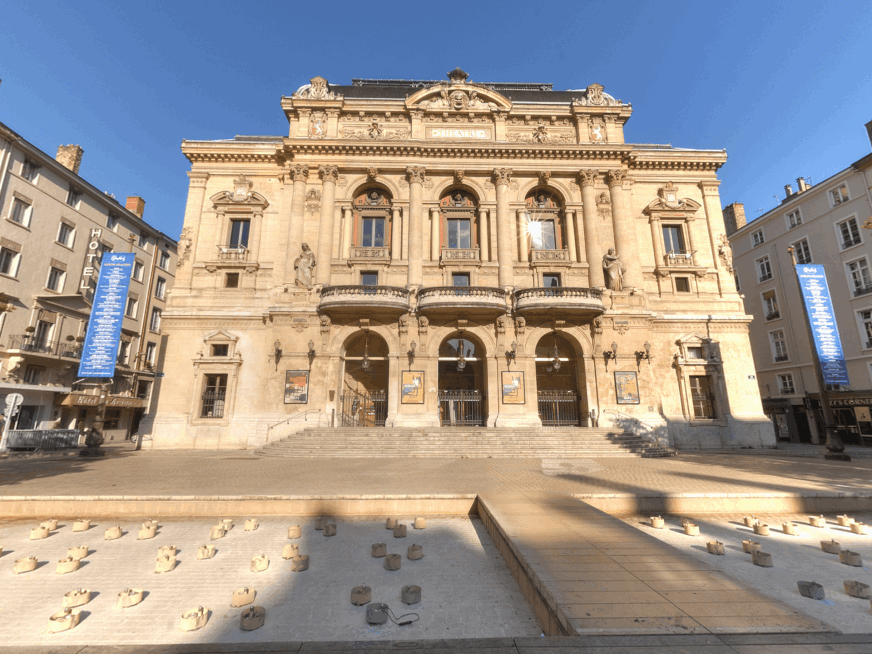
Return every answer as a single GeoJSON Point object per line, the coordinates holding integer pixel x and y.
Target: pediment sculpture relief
{"type": "Point", "coordinates": [594, 97]}
{"type": "Point", "coordinates": [317, 89]}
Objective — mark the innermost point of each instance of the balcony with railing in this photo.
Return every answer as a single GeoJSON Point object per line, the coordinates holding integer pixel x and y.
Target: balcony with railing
{"type": "Point", "coordinates": [583, 302]}
{"type": "Point", "coordinates": [364, 301]}
{"type": "Point", "coordinates": [679, 258]}
{"type": "Point", "coordinates": [481, 301]}
{"type": "Point", "coordinates": [232, 253]}
{"type": "Point", "coordinates": [43, 347]}
{"type": "Point", "coordinates": [773, 315]}
{"type": "Point", "coordinates": [862, 290]}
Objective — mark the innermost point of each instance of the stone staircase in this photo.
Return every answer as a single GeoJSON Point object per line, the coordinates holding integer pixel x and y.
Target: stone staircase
{"type": "Point", "coordinates": [463, 442]}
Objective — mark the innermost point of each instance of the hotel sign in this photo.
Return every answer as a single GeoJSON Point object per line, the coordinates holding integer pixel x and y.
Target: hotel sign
{"type": "Point", "coordinates": [460, 133]}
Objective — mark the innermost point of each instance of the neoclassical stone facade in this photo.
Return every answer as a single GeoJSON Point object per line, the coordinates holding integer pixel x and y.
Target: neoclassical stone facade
{"type": "Point", "coordinates": [417, 254]}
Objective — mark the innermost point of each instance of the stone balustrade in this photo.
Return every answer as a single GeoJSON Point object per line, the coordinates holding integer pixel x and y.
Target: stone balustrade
{"type": "Point", "coordinates": [560, 299]}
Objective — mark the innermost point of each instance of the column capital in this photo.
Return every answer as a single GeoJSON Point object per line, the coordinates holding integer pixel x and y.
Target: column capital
{"type": "Point", "coordinates": [709, 186]}
{"type": "Point", "coordinates": [198, 178]}
{"type": "Point", "coordinates": [616, 177]}
{"type": "Point", "coordinates": [300, 172]}
{"type": "Point", "coordinates": [347, 207]}
{"type": "Point", "coordinates": [587, 176]}
{"type": "Point", "coordinates": [502, 176]}
{"type": "Point", "coordinates": [416, 174]}
{"type": "Point", "coordinates": [328, 173]}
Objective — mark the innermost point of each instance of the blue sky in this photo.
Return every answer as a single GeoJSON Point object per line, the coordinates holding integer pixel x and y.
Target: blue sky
{"type": "Point", "coordinates": [784, 87]}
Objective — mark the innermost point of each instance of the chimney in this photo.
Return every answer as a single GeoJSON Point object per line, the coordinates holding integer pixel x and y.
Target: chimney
{"type": "Point", "coordinates": [734, 217]}
{"type": "Point", "coordinates": [788, 190]}
{"type": "Point", "coordinates": [135, 204]}
{"type": "Point", "coordinates": [70, 156]}
{"type": "Point", "coordinates": [869, 131]}
{"type": "Point", "coordinates": [802, 185]}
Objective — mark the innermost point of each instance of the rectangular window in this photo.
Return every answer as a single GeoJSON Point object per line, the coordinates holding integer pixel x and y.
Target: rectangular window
{"type": "Point", "coordinates": [73, 196]}
{"type": "Point", "coordinates": [8, 261]}
{"type": "Point", "coordinates": [770, 306]}
{"type": "Point", "coordinates": [214, 394]}
{"type": "Point", "coordinates": [764, 270]}
{"type": "Point", "coordinates": [65, 235]}
{"type": "Point", "coordinates": [543, 234]}
{"type": "Point", "coordinates": [32, 374]}
{"type": "Point", "coordinates": [695, 352]}
{"type": "Point", "coordinates": [794, 219]}
{"type": "Point", "coordinates": [682, 285]}
{"type": "Point", "coordinates": [701, 395]}
{"type": "Point", "coordinates": [55, 280]}
{"type": "Point", "coordinates": [860, 279]}
{"type": "Point", "coordinates": [551, 280]}
{"type": "Point", "coordinates": [673, 240]}
{"type": "Point", "coordinates": [779, 346]}
{"type": "Point", "coordinates": [42, 336]}
{"type": "Point", "coordinates": [150, 352]}
{"type": "Point", "coordinates": [239, 233]}
{"type": "Point", "coordinates": [154, 324]}
{"type": "Point", "coordinates": [132, 305]}
{"type": "Point", "coordinates": [803, 252]}
{"type": "Point", "coordinates": [785, 384]}
{"type": "Point", "coordinates": [757, 238]}
{"type": "Point", "coordinates": [849, 233]}
{"type": "Point", "coordinates": [369, 278]}
{"type": "Point", "coordinates": [20, 212]}
{"type": "Point", "coordinates": [123, 352]}
{"type": "Point", "coordinates": [160, 288]}
{"type": "Point", "coordinates": [29, 170]}
{"type": "Point", "coordinates": [220, 349]}
{"type": "Point", "coordinates": [137, 270]}
{"type": "Point", "coordinates": [459, 233]}
{"type": "Point", "coordinates": [231, 280]}
{"type": "Point", "coordinates": [143, 389]}
{"type": "Point", "coordinates": [373, 232]}
{"type": "Point", "coordinates": [112, 221]}
{"type": "Point", "coordinates": [866, 327]}
{"type": "Point", "coordinates": [143, 240]}
{"type": "Point", "coordinates": [164, 260]}
{"type": "Point", "coordinates": [839, 195]}
{"type": "Point", "coordinates": [460, 279]}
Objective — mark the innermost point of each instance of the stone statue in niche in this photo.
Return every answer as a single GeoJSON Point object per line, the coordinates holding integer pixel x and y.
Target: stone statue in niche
{"type": "Point", "coordinates": [305, 265]}
{"type": "Point", "coordinates": [725, 250]}
{"type": "Point", "coordinates": [613, 270]}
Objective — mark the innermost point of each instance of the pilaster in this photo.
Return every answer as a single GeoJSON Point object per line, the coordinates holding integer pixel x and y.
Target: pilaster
{"type": "Point", "coordinates": [505, 233]}
{"type": "Point", "coordinates": [593, 248]}
{"type": "Point", "coordinates": [329, 176]}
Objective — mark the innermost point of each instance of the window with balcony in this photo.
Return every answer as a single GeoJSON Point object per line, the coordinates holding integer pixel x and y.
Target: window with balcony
{"type": "Point", "coordinates": [160, 288]}
{"type": "Point", "coordinates": [858, 273]}
{"type": "Point", "coordinates": [785, 384]}
{"type": "Point", "coordinates": [764, 269]}
{"type": "Point", "coordinates": [214, 395]}
{"type": "Point", "coordinates": [702, 397]}
{"type": "Point", "coordinates": [55, 281]}
{"type": "Point", "coordinates": [544, 220]}
{"type": "Point", "coordinates": [239, 234]}
{"type": "Point", "coordinates": [460, 279]}
{"type": "Point", "coordinates": [839, 195]}
{"type": "Point", "coordinates": [794, 219]}
{"type": "Point", "coordinates": [29, 170]}
{"type": "Point", "coordinates": [372, 225]}
{"type": "Point", "coordinates": [803, 252]}
{"type": "Point", "coordinates": [459, 219]}
{"type": "Point", "coordinates": [21, 211]}
{"type": "Point", "coordinates": [459, 233]}
{"type": "Point", "coordinates": [369, 278]}
{"type": "Point", "coordinates": [372, 232]}
{"type": "Point", "coordinates": [770, 305]}
{"type": "Point", "coordinates": [551, 280]}
{"type": "Point", "coordinates": [849, 233]}
{"type": "Point", "coordinates": [41, 339]}
{"type": "Point", "coordinates": [779, 346]}
{"type": "Point", "coordinates": [66, 234]}
{"type": "Point", "coordinates": [757, 238]}
{"type": "Point", "coordinates": [865, 318]}
{"type": "Point", "coordinates": [673, 243]}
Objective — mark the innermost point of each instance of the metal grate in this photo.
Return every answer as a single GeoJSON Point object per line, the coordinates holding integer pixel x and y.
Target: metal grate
{"type": "Point", "coordinates": [461, 408]}
{"type": "Point", "coordinates": [213, 404]}
{"type": "Point", "coordinates": [558, 408]}
{"type": "Point", "coordinates": [703, 405]}
{"type": "Point", "coordinates": [364, 409]}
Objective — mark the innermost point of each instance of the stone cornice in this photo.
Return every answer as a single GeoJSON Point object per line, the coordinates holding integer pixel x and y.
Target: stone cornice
{"type": "Point", "coordinates": [233, 151]}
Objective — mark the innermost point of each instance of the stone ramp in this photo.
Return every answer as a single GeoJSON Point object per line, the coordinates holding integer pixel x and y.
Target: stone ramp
{"type": "Point", "coordinates": [579, 442]}
{"type": "Point", "coordinates": [585, 572]}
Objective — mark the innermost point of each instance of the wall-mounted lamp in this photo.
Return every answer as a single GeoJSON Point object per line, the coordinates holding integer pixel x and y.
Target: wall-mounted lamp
{"type": "Point", "coordinates": [311, 352]}
{"type": "Point", "coordinates": [365, 363]}
{"type": "Point", "coordinates": [461, 361]}
{"type": "Point", "coordinates": [644, 355]}
{"type": "Point", "coordinates": [512, 354]}
{"type": "Point", "coordinates": [411, 352]}
{"type": "Point", "coordinates": [556, 363]}
{"type": "Point", "coordinates": [613, 353]}
{"type": "Point", "coordinates": [277, 352]}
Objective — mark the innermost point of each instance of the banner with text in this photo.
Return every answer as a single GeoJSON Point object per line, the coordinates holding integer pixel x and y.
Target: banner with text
{"type": "Point", "coordinates": [816, 295]}
{"type": "Point", "coordinates": [107, 313]}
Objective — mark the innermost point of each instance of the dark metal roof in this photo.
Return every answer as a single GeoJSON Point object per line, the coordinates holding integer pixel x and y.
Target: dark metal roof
{"type": "Point", "coordinates": [401, 89]}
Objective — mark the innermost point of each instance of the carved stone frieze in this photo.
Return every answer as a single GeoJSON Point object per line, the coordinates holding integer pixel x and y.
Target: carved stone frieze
{"type": "Point", "coordinates": [540, 134]}
{"type": "Point", "coordinates": [364, 117]}
{"type": "Point", "coordinates": [375, 132]}
{"type": "Point", "coordinates": [313, 201]}
{"type": "Point", "coordinates": [445, 117]}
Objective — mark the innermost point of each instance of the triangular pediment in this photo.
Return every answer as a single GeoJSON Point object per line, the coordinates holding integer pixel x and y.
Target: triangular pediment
{"type": "Point", "coordinates": [694, 339]}
{"type": "Point", "coordinates": [684, 204]}
{"type": "Point", "coordinates": [220, 335]}
{"type": "Point", "coordinates": [458, 97]}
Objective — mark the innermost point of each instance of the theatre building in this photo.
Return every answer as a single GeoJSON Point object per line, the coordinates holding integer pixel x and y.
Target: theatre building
{"type": "Point", "coordinates": [438, 254]}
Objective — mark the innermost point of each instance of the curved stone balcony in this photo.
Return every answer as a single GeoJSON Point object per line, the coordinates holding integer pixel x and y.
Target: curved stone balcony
{"type": "Point", "coordinates": [581, 302]}
{"type": "Point", "coordinates": [483, 301]}
{"type": "Point", "coordinates": [364, 301]}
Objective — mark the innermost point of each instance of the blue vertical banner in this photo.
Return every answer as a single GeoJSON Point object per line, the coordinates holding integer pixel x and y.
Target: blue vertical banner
{"type": "Point", "coordinates": [816, 295]}
{"type": "Point", "coordinates": [100, 352]}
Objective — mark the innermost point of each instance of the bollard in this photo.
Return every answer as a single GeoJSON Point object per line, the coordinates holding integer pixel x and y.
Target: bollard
{"type": "Point", "coordinates": [415, 552]}
{"type": "Point", "coordinates": [420, 523]}
{"type": "Point", "coordinates": [76, 598]}
{"type": "Point", "coordinates": [379, 550]}
{"type": "Point", "coordinates": [715, 547]}
{"type": "Point", "coordinates": [129, 597]}
{"type": "Point", "coordinates": [259, 563]}
{"type": "Point", "coordinates": [788, 528]}
{"type": "Point", "coordinates": [844, 521]}
{"type": "Point", "coordinates": [294, 532]}
{"type": "Point", "coordinates": [761, 529]}
{"type": "Point", "coordinates": [300, 563]}
{"type": "Point", "coordinates": [817, 521]}
{"type": "Point", "coordinates": [330, 529]}
{"type": "Point", "coordinates": [26, 564]}
{"type": "Point", "coordinates": [38, 533]}
{"type": "Point", "coordinates": [858, 589]}
{"type": "Point", "coordinates": [410, 594]}
{"type": "Point", "coordinates": [242, 596]}
{"type": "Point", "coordinates": [691, 529]}
{"type": "Point", "coordinates": [67, 565]}
{"type": "Point", "coordinates": [749, 520]}
{"type": "Point", "coordinates": [860, 528]}
{"type": "Point", "coordinates": [66, 619]}
{"type": "Point", "coordinates": [657, 522]}
{"type": "Point", "coordinates": [195, 619]}
{"type": "Point", "coordinates": [113, 533]}
{"type": "Point", "coordinates": [251, 524]}
{"type": "Point", "coordinates": [164, 563]}
{"type": "Point", "coordinates": [217, 532]}
{"type": "Point", "coordinates": [400, 531]}
{"type": "Point", "coordinates": [319, 523]}
{"type": "Point", "coordinates": [390, 523]}
{"type": "Point", "coordinates": [290, 551]}
{"type": "Point", "coordinates": [167, 550]}
{"type": "Point", "coordinates": [750, 546]}
{"type": "Point", "coordinates": [252, 618]}
{"type": "Point", "coordinates": [228, 523]}
{"type": "Point", "coordinates": [78, 552]}
{"type": "Point", "coordinates": [763, 559]}
{"type": "Point", "coordinates": [830, 546]}
{"type": "Point", "coordinates": [811, 590]}
{"type": "Point", "coordinates": [851, 558]}
{"type": "Point", "coordinates": [206, 552]}
{"type": "Point", "coordinates": [81, 525]}
{"type": "Point", "coordinates": [393, 562]}
{"type": "Point", "coordinates": [361, 595]}
{"type": "Point", "coordinates": [148, 530]}
{"type": "Point", "coordinates": [50, 524]}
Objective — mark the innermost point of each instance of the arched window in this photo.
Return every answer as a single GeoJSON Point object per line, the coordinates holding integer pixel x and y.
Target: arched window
{"type": "Point", "coordinates": [544, 220]}
{"type": "Point", "coordinates": [372, 219]}
{"type": "Point", "coordinates": [459, 220]}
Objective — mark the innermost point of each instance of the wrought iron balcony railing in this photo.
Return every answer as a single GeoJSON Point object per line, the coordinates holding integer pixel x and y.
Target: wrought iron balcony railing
{"type": "Point", "coordinates": [29, 343]}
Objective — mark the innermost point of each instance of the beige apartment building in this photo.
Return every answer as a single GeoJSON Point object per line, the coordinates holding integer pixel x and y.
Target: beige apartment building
{"type": "Point", "coordinates": [429, 254]}
{"type": "Point", "coordinates": [826, 223]}
{"type": "Point", "coordinates": [54, 229]}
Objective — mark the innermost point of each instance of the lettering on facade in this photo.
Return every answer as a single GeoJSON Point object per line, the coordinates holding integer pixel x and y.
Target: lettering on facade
{"type": "Point", "coordinates": [457, 133]}
{"type": "Point", "coordinates": [93, 252]}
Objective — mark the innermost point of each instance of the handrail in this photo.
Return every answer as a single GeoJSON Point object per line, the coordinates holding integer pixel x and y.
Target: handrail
{"type": "Point", "coordinates": [293, 417]}
{"type": "Point", "coordinates": [628, 416]}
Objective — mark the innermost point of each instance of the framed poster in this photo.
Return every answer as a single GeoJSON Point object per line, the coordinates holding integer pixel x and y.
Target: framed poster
{"type": "Point", "coordinates": [412, 387]}
{"type": "Point", "coordinates": [626, 388]}
{"type": "Point", "coordinates": [513, 387]}
{"type": "Point", "coordinates": [296, 387]}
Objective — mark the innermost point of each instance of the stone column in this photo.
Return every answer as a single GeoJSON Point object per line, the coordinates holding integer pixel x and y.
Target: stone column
{"type": "Point", "coordinates": [570, 235]}
{"type": "Point", "coordinates": [396, 235]}
{"type": "Point", "coordinates": [657, 239]}
{"type": "Point", "coordinates": [578, 223]}
{"type": "Point", "coordinates": [505, 233]}
{"type": "Point", "coordinates": [483, 234]}
{"type": "Point", "coordinates": [300, 173]}
{"type": "Point", "coordinates": [329, 177]}
{"type": "Point", "coordinates": [523, 235]}
{"type": "Point", "coordinates": [434, 234]}
{"type": "Point", "coordinates": [622, 223]}
{"type": "Point", "coordinates": [347, 230]}
{"type": "Point", "coordinates": [691, 247]}
{"type": "Point", "coordinates": [593, 249]}
{"type": "Point", "coordinates": [708, 248]}
{"type": "Point", "coordinates": [191, 231]}
{"type": "Point", "coordinates": [416, 176]}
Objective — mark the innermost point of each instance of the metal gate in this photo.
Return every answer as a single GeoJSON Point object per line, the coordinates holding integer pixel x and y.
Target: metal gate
{"type": "Point", "coordinates": [461, 408]}
{"type": "Point", "coordinates": [364, 409]}
{"type": "Point", "coordinates": [558, 408]}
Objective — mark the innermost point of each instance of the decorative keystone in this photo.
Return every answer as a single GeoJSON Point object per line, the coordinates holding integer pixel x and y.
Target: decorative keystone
{"type": "Point", "coordinates": [750, 546]}
{"type": "Point", "coordinates": [749, 520]}
{"type": "Point", "coordinates": [330, 529]}
{"type": "Point", "coordinates": [858, 589]}
{"type": "Point", "coordinates": [81, 525]}
{"type": "Point", "coordinates": [259, 563]}
{"type": "Point", "coordinates": [76, 598]}
{"type": "Point", "coordinates": [361, 595]}
{"type": "Point", "coordinates": [691, 529]}
{"type": "Point", "coordinates": [391, 523]}
{"type": "Point", "coordinates": [294, 532]}
{"type": "Point", "coordinates": [51, 525]}
{"type": "Point", "coordinates": [64, 621]}
{"type": "Point", "coordinates": [194, 619]}
{"type": "Point", "coordinates": [217, 532]}
{"type": "Point", "coordinates": [129, 597]}
{"type": "Point", "coordinates": [290, 551]}
{"type": "Point", "coordinates": [788, 528]}
{"type": "Point", "coordinates": [147, 530]}
{"type": "Point", "coordinates": [78, 552]}
{"type": "Point", "coordinates": [393, 562]}
{"type": "Point", "coordinates": [715, 547]}
{"type": "Point", "coordinates": [657, 522]}
{"type": "Point", "coordinates": [320, 523]}
{"type": "Point", "coordinates": [164, 563]}
{"type": "Point", "coordinates": [206, 552]}
{"type": "Point", "coordinates": [763, 559]}
{"type": "Point", "coordinates": [410, 594]}
{"type": "Point", "coordinates": [844, 521]}
{"type": "Point", "coordinates": [851, 558]}
{"type": "Point", "coordinates": [379, 550]}
{"type": "Point", "coordinates": [415, 553]}
{"type": "Point", "coordinates": [300, 563]}
{"type": "Point", "coordinates": [252, 618]}
{"type": "Point", "coordinates": [113, 533]}
{"type": "Point", "coordinates": [66, 565]}
{"type": "Point", "coordinates": [761, 529]}
{"type": "Point", "coordinates": [38, 533]}
{"type": "Point", "coordinates": [420, 523]}
{"type": "Point", "coordinates": [400, 531]}
{"type": "Point", "coordinates": [830, 546]}
{"type": "Point", "coordinates": [811, 590]}
{"type": "Point", "coordinates": [26, 564]}
{"type": "Point", "coordinates": [817, 521]}
{"type": "Point", "coordinates": [243, 596]}
{"type": "Point", "coordinates": [167, 550]}
{"type": "Point", "coordinates": [860, 528]}
{"type": "Point", "coordinates": [251, 524]}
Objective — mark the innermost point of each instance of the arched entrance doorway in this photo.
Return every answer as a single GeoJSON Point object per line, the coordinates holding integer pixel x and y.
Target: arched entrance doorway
{"type": "Point", "coordinates": [557, 375]}
{"type": "Point", "coordinates": [462, 382]}
{"type": "Point", "coordinates": [364, 396]}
